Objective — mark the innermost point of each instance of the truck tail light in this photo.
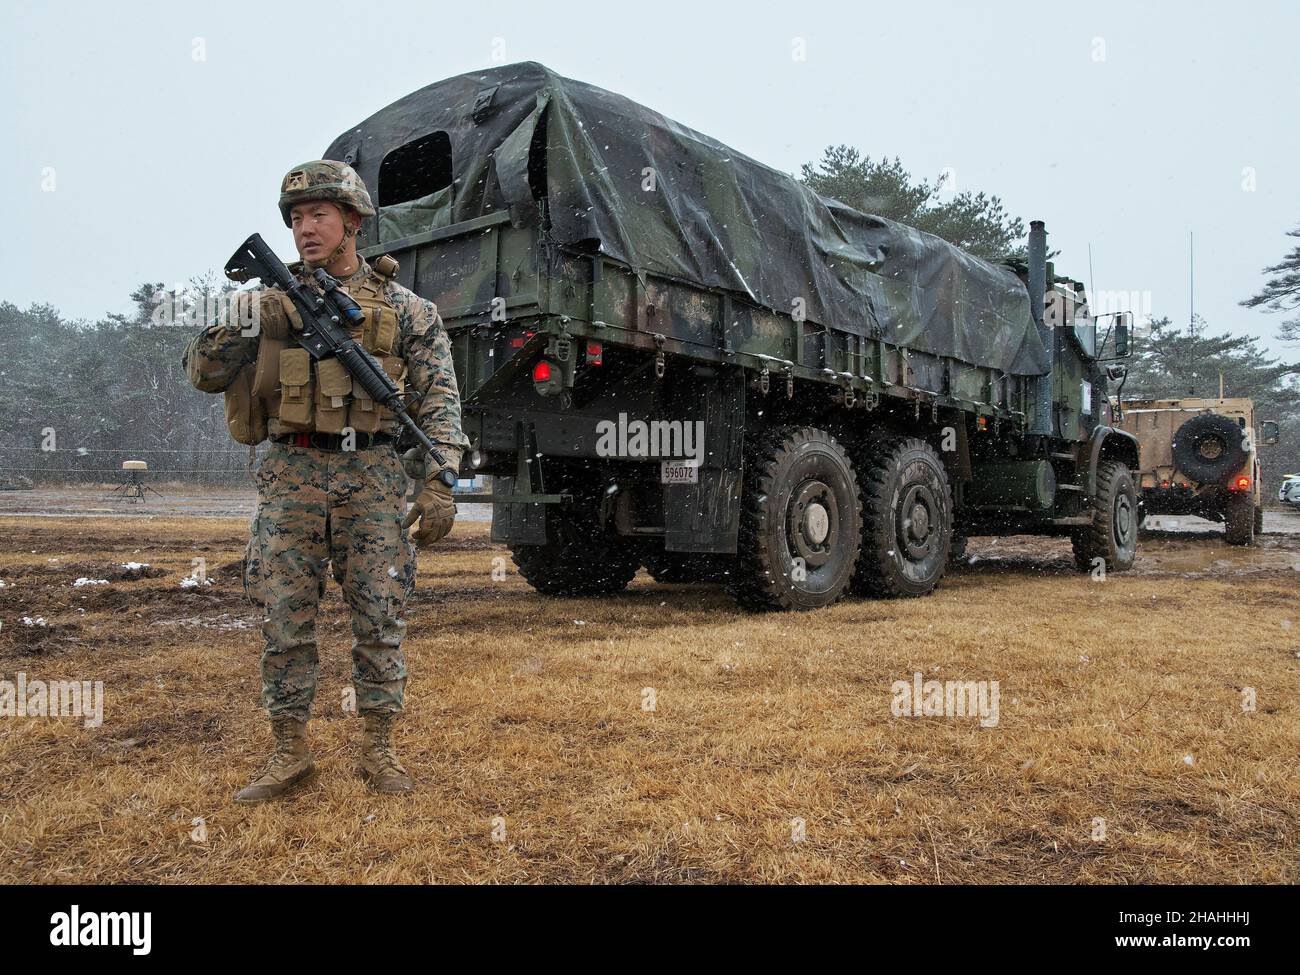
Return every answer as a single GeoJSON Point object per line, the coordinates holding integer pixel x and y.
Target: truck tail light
{"type": "Point", "coordinates": [594, 352]}
{"type": "Point", "coordinates": [546, 378]}
{"type": "Point", "coordinates": [1243, 483]}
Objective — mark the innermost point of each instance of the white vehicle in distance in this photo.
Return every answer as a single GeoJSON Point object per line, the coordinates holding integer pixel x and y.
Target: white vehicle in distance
{"type": "Point", "coordinates": [1290, 489]}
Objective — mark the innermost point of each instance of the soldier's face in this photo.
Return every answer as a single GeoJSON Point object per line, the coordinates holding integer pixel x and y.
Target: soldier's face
{"type": "Point", "coordinates": [318, 228]}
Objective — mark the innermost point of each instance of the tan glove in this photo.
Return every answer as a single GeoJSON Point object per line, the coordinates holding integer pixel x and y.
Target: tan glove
{"type": "Point", "coordinates": [268, 312]}
{"type": "Point", "coordinates": [435, 511]}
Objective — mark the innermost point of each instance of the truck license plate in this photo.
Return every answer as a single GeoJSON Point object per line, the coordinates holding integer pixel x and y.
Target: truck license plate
{"type": "Point", "coordinates": [678, 472]}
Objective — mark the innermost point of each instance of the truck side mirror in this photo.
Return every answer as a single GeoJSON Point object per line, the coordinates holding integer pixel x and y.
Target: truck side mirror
{"type": "Point", "coordinates": [1268, 433]}
{"type": "Point", "coordinates": [1121, 336]}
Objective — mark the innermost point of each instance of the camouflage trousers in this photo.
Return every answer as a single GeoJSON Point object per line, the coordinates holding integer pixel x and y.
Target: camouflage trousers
{"type": "Point", "coordinates": [340, 510]}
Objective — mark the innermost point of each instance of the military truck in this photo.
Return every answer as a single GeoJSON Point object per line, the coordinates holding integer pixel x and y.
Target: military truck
{"type": "Point", "coordinates": [672, 355]}
{"type": "Point", "coordinates": [1198, 457]}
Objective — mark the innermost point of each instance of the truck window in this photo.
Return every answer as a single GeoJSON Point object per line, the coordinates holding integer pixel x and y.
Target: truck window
{"type": "Point", "coordinates": [415, 187]}
{"type": "Point", "coordinates": [1086, 332]}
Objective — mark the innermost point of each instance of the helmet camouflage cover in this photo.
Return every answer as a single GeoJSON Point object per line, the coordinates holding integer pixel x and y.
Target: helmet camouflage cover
{"type": "Point", "coordinates": [324, 179]}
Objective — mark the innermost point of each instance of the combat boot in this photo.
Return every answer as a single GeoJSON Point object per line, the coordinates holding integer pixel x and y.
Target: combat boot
{"type": "Point", "coordinates": [379, 764]}
{"type": "Point", "coordinates": [289, 765]}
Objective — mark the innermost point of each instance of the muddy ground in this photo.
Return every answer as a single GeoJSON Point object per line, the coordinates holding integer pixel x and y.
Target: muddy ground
{"type": "Point", "coordinates": [1147, 729]}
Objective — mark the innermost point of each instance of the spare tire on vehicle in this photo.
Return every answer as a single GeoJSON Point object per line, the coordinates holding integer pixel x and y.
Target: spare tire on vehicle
{"type": "Point", "coordinates": [1209, 448]}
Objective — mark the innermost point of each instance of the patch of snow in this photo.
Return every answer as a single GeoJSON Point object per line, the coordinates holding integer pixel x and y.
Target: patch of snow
{"type": "Point", "coordinates": [223, 622]}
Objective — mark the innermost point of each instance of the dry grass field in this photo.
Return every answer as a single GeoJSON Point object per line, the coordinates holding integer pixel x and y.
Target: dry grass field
{"type": "Point", "coordinates": [526, 716]}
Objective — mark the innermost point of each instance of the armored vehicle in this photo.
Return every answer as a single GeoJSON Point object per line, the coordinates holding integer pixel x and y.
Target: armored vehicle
{"type": "Point", "coordinates": [1198, 457]}
{"type": "Point", "coordinates": [672, 355]}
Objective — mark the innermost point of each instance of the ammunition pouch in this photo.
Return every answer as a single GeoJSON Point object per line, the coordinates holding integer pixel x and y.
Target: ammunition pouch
{"type": "Point", "coordinates": [296, 390]}
{"type": "Point", "coordinates": [245, 413]}
{"type": "Point", "coordinates": [333, 393]}
{"type": "Point", "coordinates": [266, 375]}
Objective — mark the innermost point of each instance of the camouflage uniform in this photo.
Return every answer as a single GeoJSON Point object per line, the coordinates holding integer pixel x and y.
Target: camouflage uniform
{"type": "Point", "coordinates": [341, 507]}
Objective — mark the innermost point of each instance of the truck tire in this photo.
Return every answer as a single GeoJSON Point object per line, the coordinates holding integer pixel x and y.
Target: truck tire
{"type": "Point", "coordinates": [906, 518]}
{"type": "Point", "coordinates": [1113, 533]}
{"type": "Point", "coordinates": [800, 502]}
{"type": "Point", "coordinates": [1239, 519]}
{"type": "Point", "coordinates": [688, 567]}
{"type": "Point", "coordinates": [1208, 448]}
{"type": "Point", "coordinates": [1259, 520]}
{"type": "Point", "coordinates": [579, 559]}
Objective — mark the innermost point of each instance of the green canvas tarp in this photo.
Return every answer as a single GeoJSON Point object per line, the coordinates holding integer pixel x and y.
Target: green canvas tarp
{"type": "Point", "coordinates": [614, 177]}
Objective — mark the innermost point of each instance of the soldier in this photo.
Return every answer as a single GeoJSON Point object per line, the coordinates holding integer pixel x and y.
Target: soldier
{"type": "Point", "coordinates": [330, 484]}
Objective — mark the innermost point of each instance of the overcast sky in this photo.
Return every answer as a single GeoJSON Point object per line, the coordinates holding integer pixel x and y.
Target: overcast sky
{"type": "Point", "coordinates": [148, 139]}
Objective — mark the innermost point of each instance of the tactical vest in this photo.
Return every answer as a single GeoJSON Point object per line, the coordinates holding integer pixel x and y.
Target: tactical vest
{"type": "Point", "coordinates": [286, 391]}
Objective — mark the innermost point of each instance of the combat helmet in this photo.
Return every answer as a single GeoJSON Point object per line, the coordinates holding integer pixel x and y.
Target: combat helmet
{"type": "Point", "coordinates": [324, 179]}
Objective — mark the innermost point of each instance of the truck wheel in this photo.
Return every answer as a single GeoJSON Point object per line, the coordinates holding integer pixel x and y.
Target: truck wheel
{"type": "Point", "coordinates": [686, 567]}
{"type": "Point", "coordinates": [1113, 533]}
{"type": "Point", "coordinates": [799, 524]}
{"type": "Point", "coordinates": [1259, 521]}
{"type": "Point", "coordinates": [906, 518]}
{"type": "Point", "coordinates": [579, 559]}
{"type": "Point", "coordinates": [1239, 520]}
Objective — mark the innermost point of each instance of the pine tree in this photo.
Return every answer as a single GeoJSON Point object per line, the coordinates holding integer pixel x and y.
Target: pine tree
{"type": "Point", "coordinates": [976, 222]}
{"type": "Point", "coordinates": [1282, 293]}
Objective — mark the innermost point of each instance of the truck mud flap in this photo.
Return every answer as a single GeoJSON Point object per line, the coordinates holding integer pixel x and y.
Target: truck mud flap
{"type": "Point", "coordinates": [517, 524]}
{"type": "Point", "coordinates": [705, 516]}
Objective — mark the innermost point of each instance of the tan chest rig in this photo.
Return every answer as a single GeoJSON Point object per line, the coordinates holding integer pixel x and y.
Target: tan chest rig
{"type": "Point", "coordinates": [286, 391]}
